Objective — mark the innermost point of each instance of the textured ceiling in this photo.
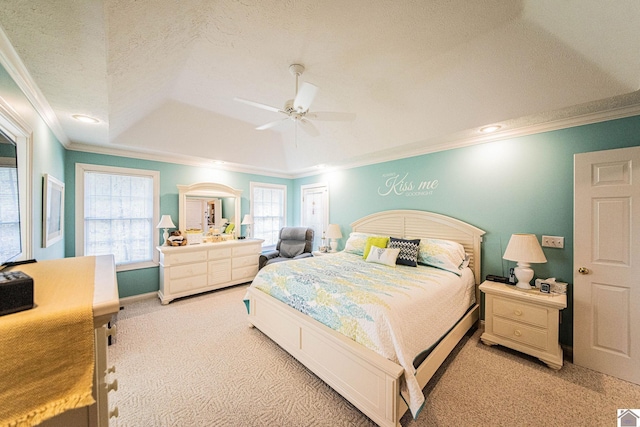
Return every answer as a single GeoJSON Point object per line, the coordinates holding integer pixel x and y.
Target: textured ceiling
{"type": "Point", "coordinates": [161, 75]}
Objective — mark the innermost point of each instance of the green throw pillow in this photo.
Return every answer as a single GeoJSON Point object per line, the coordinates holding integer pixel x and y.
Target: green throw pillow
{"type": "Point", "coordinates": [380, 242]}
{"type": "Point", "coordinates": [229, 229]}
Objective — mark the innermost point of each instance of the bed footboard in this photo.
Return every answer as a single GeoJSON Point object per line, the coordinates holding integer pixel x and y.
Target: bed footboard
{"type": "Point", "coordinates": [367, 380]}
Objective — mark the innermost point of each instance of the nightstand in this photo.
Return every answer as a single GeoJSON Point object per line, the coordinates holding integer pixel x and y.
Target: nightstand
{"type": "Point", "coordinates": [524, 320]}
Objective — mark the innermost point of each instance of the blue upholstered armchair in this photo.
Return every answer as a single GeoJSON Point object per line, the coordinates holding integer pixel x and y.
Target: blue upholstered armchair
{"type": "Point", "coordinates": [294, 243]}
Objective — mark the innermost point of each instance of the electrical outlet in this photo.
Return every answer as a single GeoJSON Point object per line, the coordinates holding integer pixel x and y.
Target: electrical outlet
{"type": "Point", "coordinates": [553, 241]}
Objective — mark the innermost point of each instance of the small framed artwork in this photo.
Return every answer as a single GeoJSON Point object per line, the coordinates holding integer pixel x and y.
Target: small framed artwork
{"type": "Point", "coordinates": [53, 211]}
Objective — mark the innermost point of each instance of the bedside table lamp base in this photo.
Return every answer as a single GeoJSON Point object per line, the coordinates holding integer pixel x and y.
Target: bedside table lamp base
{"type": "Point", "coordinates": [524, 274]}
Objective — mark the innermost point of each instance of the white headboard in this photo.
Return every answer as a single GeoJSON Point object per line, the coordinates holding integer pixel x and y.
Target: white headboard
{"type": "Point", "coordinates": [421, 224]}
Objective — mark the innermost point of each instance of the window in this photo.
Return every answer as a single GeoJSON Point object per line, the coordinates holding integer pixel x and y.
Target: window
{"type": "Point", "coordinates": [269, 211]}
{"type": "Point", "coordinates": [9, 210]}
{"type": "Point", "coordinates": [16, 130]}
{"type": "Point", "coordinates": [118, 208]}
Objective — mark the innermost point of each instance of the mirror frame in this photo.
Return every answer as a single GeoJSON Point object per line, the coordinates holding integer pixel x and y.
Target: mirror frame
{"type": "Point", "coordinates": [207, 189]}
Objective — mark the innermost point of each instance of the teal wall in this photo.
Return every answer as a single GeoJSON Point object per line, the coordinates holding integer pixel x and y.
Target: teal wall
{"type": "Point", "coordinates": [137, 282]}
{"type": "Point", "coordinates": [520, 185]}
{"type": "Point", "coordinates": [48, 157]}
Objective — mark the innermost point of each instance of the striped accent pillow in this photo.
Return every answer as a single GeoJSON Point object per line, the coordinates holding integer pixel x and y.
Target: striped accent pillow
{"type": "Point", "coordinates": [408, 251]}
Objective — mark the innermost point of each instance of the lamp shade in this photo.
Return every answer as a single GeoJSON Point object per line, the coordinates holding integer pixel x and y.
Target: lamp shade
{"type": "Point", "coordinates": [165, 222]}
{"type": "Point", "coordinates": [247, 220]}
{"type": "Point", "coordinates": [333, 232]}
{"type": "Point", "coordinates": [524, 248]}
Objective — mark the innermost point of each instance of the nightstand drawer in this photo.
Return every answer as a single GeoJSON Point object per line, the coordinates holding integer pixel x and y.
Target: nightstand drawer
{"type": "Point", "coordinates": [520, 311]}
{"type": "Point", "coordinates": [520, 333]}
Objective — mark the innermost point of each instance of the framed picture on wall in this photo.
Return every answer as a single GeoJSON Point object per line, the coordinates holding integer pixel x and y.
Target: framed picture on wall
{"type": "Point", "coordinates": [53, 211]}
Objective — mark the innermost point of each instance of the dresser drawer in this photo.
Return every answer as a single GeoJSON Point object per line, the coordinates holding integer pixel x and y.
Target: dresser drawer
{"type": "Point", "coordinates": [521, 333]}
{"type": "Point", "coordinates": [188, 283]}
{"type": "Point", "coordinates": [219, 271]}
{"type": "Point", "coordinates": [245, 261]}
{"type": "Point", "coordinates": [186, 257]}
{"type": "Point", "coordinates": [219, 253]}
{"type": "Point", "coordinates": [521, 312]}
{"type": "Point", "coordinates": [246, 250]}
{"type": "Point", "coordinates": [244, 273]}
{"type": "Point", "coordinates": [180, 271]}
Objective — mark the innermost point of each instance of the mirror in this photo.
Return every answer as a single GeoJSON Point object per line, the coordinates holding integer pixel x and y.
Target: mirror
{"type": "Point", "coordinates": [9, 201]}
{"type": "Point", "coordinates": [206, 205]}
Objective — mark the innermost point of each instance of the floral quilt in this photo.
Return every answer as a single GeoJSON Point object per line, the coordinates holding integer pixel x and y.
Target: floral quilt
{"type": "Point", "coordinates": [399, 312]}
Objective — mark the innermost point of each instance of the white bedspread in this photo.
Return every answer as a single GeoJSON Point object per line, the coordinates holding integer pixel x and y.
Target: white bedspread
{"type": "Point", "coordinates": [398, 312]}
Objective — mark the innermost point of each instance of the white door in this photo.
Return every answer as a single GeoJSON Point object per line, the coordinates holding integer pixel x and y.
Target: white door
{"type": "Point", "coordinates": [315, 210]}
{"type": "Point", "coordinates": [606, 301]}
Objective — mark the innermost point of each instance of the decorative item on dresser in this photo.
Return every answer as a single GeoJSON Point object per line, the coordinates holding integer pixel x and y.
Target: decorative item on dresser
{"type": "Point", "coordinates": [192, 269]}
{"type": "Point", "coordinates": [165, 223]}
{"type": "Point", "coordinates": [248, 221]}
{"type": "Point", "coordinates": [524, 320]}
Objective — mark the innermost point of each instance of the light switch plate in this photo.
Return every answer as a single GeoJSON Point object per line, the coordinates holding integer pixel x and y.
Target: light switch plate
{"type": "Point", "coordinates": [553, 241]}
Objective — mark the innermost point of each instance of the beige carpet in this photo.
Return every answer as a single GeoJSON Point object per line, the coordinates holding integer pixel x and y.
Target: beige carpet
{"type": "Point", "coordinates": [196, 362]}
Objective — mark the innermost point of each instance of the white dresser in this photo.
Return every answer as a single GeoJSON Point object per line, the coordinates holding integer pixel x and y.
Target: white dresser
{"type": "Point", "coordinates": [192, 269]}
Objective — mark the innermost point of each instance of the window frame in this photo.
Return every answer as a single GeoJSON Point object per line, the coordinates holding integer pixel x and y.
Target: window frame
{"type": "Point", "coordinates": [14, 127]}
{"type": "Point", "coordinates": [255, 185]}
{"type": "Point", "coordinates": [81, 168]}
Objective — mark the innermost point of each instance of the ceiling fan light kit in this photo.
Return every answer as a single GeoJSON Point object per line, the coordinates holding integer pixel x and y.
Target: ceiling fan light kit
{"type": "Point", "coordinates": [297, 109]}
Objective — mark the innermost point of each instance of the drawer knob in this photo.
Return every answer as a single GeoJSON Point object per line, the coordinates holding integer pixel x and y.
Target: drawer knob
{"type": "Point", "coordinates": [517, 333]}
{"type": "Point", "coordinates": [517, 312]}
{"type": "Point", "coordinates": [113, 386]}
{"type": "Point", "coordinates": [114, 413]}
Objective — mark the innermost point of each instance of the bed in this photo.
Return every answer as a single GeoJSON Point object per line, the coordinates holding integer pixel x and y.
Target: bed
{"type": "Point", "coordinates": [381, 384]}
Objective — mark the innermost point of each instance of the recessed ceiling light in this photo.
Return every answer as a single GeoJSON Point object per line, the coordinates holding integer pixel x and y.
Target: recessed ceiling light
{"type": "Point", "coordinates": [85, 119]}
{"type": "Point", "coordinates": [489, 129]}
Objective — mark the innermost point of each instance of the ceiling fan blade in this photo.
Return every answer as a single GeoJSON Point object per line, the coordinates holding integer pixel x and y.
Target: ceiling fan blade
{"type": "Point", "coordinates": [331, 116]}
{"type": "Point", "coordinates": [305, 96]}
{"type": "Point", "coordinates": [308, 127]}
{"type": "Point", "coordinates": [259, 105]}
{"type": "Point", "coordinates": [272, 124]}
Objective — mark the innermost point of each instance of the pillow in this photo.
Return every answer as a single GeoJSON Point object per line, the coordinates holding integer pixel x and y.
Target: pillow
{"type": "Point", "coordinates": [380, 242]}
{"type": "Point", "coordinates": [229, 228]}
{"type": "Point", "coordinates": [384, 256]}
{"type": "Point", "coordinates": [408, 251]}
{"type": "Point", "coordinates": [444, 254]}
{"type": "Point", "coordinates": [356, 242]}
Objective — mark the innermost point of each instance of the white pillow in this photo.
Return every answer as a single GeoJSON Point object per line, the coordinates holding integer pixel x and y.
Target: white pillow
{"type": "Point", "coordinates": [386, 256]}
{"type": "Point", "coordinates": [356, 242]}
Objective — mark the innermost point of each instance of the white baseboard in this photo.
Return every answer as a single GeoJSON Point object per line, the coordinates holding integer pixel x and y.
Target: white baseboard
{"type": "Point", "coordinates": [134, 298]}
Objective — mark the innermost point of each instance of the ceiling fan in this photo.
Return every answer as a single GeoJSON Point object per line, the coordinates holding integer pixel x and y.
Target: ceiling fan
{"type": "Point", "coordinates": [297, 109]}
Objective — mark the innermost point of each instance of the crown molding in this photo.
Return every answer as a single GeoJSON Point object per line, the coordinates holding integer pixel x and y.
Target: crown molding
{"type": "Point", "coordinates": [451, 143]}
{"type": "Point", "coordinates": [11, 62]}
{"type": "Point", "coordinates": [180, 159]}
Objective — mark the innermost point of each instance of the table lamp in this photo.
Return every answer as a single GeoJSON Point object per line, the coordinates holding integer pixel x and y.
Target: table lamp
{"type": "Point", "coordinates": [166, 223]}
{"type": "Point", "coordinates": [247, 220]}
{"type": "Point", "coordinates": [333, 233]}
{"type": "Point", "coordinates": [525, 249]}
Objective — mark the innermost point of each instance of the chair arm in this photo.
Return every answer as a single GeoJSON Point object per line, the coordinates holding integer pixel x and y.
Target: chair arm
{"type": "Point", "coordinates": [303, 255]}
{"type": "Point", "coordinates": [266, 256]}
